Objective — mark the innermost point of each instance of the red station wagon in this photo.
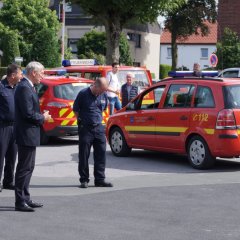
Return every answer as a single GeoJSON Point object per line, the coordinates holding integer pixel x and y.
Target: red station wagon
{"type": "Point", "coordinates": [199, 117]}
{"type": "Point", "coordinates": [56, 95]}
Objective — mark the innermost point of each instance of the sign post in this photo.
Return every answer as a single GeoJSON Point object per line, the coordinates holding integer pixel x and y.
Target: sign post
{"type": "Point", "coordinates": [213, 60]}
{"type": "Point", "coordinates": [18, 60]}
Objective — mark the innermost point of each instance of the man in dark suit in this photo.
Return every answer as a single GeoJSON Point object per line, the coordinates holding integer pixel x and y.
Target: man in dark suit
{"type": "Point", "coordinates": [27, 129]}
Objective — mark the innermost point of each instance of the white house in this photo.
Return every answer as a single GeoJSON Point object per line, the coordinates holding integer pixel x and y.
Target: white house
{"type": "Point", "coordinates": [196, 48]}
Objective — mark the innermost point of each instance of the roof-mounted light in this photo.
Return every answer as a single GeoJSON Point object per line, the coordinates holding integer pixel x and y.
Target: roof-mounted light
{"type": "Point", "coordinates": [192, 74]}
{"type": "Point", "coordinates": [58, 72]}
{"type": "Point", "coordinates": [79, 62]}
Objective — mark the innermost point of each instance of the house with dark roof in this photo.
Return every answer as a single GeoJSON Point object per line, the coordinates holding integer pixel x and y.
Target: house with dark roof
{"type": "Point", "coordinates": [195, 48]}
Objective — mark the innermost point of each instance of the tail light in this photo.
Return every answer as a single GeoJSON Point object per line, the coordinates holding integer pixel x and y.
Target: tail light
{"type": "Point", "coordinates": [226, 119]}
{"type": "Point", "coordinates": [57, 104]}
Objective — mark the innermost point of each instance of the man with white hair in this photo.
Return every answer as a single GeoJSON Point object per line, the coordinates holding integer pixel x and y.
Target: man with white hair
{"type": "Point", "coordinates": [28, 120]}
{"type": "Point", "coordinates": [128, 90]}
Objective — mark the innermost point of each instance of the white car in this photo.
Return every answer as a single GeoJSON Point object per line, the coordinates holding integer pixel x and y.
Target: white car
{"type": "Point", "coordinates": [230, 73]}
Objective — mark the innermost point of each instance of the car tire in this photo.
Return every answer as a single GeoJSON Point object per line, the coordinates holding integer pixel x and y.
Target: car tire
{"type": "Point", "coordinates": [118, 143]}
{"type": "Point", "coordinates": [199, 154]}
{"type": "Point", "coordinates": [44, 139]}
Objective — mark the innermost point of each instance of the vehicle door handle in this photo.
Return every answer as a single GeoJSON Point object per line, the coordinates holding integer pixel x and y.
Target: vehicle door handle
{"type": "Point", "coordinates": [151, 118]}
{"type": "Point", "coordinates": [184, 118]}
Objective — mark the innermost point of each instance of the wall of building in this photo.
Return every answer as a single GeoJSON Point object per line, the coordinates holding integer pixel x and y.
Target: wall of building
{"type": "Point", "coordinates": [228, 16]}
{"type": "Point", "coordinates": [148, 52]}
{"type": "Point", "coordinates": [187, 55]}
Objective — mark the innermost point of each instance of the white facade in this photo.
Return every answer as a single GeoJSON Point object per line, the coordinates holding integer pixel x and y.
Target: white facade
{"type": "Point", "coordinates": [147, 54]}
{"type": "Point", "coordinates": [188, 54]}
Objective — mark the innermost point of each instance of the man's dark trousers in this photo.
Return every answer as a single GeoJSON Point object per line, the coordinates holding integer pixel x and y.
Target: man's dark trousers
{"type": "Point", "coordinates": [25, 167]}
{"type": "Point", "coordinates": [89, 136]}
{"type": "Point", "coordinates": [8, 150]}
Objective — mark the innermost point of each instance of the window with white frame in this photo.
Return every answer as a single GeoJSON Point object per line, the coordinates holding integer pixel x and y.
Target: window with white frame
{"type": "Point", "coordinates": [169, 52]}
{"type": "Point", "coordinates": [204, 52]}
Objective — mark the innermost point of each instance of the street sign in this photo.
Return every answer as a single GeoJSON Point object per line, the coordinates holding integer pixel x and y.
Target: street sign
{"type": "Point", "coordinates": [213, 60]}
{"type": "Point", "coordinates": [18, 59]}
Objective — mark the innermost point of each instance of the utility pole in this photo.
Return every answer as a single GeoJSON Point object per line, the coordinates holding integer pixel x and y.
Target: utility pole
{"type": "Point", "coordinates": [62, 14]}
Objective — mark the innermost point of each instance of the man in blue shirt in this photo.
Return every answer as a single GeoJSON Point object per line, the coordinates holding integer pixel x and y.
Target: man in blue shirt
{"type": "Point", "coordinates": [8, 147]}
{"type": "Point", "coordinates": [88, 108]}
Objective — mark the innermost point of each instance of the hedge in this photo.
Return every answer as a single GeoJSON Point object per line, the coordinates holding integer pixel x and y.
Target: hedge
{"type": "Point", "coordinates": [164, 69]}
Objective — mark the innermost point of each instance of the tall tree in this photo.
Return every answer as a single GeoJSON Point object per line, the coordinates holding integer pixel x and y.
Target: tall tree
{"type": "Point", "coordinates": [115, 14]}
{"type": "Point", "coordinates": [9, 45]}
{"type": "Point", "coordinates": [29, 18]}
{"type": "Point", "coordinates": [93, 45]}
{"type": "Point", "coordinates": [228, 50]}
{"type": "Point", "coordinates": [190, 18]}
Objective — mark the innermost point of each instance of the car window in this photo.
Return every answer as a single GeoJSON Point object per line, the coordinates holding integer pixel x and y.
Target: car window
{"type": "Point", "coordinates": [204, 98]}
{"type": "Point", "coordinates": [151, 99]}
{"type": "Point", "coordinates": [41, 89]}
{"type": "Point", "coordinates": [232, 96]}
{"type": "Point", "coordinates": [230, 74]}
{"type": "Point", "coordinates": [179, 95]}
{"type": "Point", "coordinates": [92, 75]}
{"type": "Point", "coordinates": [69, 91]}
{"type": "Point", "coordinates": [139, 76]}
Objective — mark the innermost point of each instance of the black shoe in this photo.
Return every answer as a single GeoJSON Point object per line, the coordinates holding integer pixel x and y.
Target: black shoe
{"type": "Point", "coordinates": [9, 186]}
{"type": "Point", "coordinates": [33, 204]}
{"type": "Point", "coordinates": [23, 208]}
{"type": "Point", "coordinates": [84, 185]}
{"type": "Point", "coordinates": [0, 188]}
{"type": "Point", "coordinates": [103, 184]}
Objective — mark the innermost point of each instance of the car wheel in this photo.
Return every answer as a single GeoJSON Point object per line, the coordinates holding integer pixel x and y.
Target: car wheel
{"type": "Point", "coordinates": [199, 155]}
{"type": "Point", "coordinates": [44, 139]}
{"type": "Point", "coordinates": [118, 143]}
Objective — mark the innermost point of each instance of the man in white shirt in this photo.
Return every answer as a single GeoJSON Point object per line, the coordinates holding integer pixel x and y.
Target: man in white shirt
{"type": "Point", "coordinates": [114, 89]}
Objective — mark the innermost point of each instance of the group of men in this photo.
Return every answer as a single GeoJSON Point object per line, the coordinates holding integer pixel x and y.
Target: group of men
{"type": "Point", "coordinates": [21, 120]}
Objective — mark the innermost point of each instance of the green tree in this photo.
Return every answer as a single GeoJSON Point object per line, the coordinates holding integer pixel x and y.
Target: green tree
{"type": "Point", "coordinates": [29, 18]}
{"type": "Point", "coordinates": [9, 45]}
{"type": "Point", "coordinates": [115, 14]}
{"type": "Point", "coordinates": [228, 50]}
{"type": "Point", "coordinates": [93, 45]}
{"type": "Point", "coordinates": [190, 18]}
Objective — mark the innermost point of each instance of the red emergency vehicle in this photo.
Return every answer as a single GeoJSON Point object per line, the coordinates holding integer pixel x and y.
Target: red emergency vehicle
{"type": "Point", "coordinates": [89, 68]}
{"type": "Point", "coordinates": [56, 95]}
{"type": "Point", "coordinates": [199, 117]}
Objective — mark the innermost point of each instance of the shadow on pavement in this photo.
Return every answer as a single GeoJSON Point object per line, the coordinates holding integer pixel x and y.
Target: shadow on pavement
{"type": "Point", "coordinates": [6, 209]}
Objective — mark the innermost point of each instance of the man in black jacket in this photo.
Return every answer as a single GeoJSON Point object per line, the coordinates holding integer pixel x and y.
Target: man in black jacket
{"type": "Point", "coordinates": [128, 91]}
{"type": "Point", "coordinates": [8, 147]}
{"type": "Point", "coordinates": [27, 129]}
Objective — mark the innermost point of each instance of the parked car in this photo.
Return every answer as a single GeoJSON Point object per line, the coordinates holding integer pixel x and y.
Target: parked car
{"type": "Point", "coordinates": [199, 117]}
{"type": "Point", "coordinates": [230, 73]}
{"type": "Point", "coordinates": [56, 95]}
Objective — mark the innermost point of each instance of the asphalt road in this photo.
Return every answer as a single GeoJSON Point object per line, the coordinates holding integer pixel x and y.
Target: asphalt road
{"type": "Point", "coordinates": [155, 196]}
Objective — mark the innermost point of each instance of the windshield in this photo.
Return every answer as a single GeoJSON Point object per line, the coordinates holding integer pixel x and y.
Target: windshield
{"type": "Point", "coordinates": [69, 91]}
{"type": "Point", "coordinates": [232, 96]}
{"type": "Point", "coordinates": [139, 76]}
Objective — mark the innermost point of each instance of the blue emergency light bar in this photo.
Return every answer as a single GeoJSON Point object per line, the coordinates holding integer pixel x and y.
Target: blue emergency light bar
{"type": "Point", "coordinates": [79, 62]}
{"type": "Point", "coordinates": [191, 74]}
{"type": "Point", "coordinates": [58, 72]}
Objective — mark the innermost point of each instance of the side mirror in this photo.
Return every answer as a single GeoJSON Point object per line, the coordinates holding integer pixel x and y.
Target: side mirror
{"type": "Point", "coordinates": [130, 106]}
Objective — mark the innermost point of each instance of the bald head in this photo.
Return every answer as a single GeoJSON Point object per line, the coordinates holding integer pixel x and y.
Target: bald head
{"type": "Point", "coordinates": [100, 86]}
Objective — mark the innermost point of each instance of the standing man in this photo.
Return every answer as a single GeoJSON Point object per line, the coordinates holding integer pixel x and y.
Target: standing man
{"type": "Point", "coordinates": [8, 147]}
{"type": "Point", "coordinates": [128, 91]}
{"type": "Point", "coordinates": [27, 128]}
{"type": "Point", "coordinates": [88, 108]}
{"type": "Point", "coordinates": [114, 89]}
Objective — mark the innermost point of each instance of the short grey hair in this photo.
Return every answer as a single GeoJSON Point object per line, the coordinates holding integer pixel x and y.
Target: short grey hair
{"type": "Point", "coordinates": [34, 66]}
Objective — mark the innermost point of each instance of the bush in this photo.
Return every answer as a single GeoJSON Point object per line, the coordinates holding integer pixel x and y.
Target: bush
{"type": "Point", "coordinates": [164, 69]}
